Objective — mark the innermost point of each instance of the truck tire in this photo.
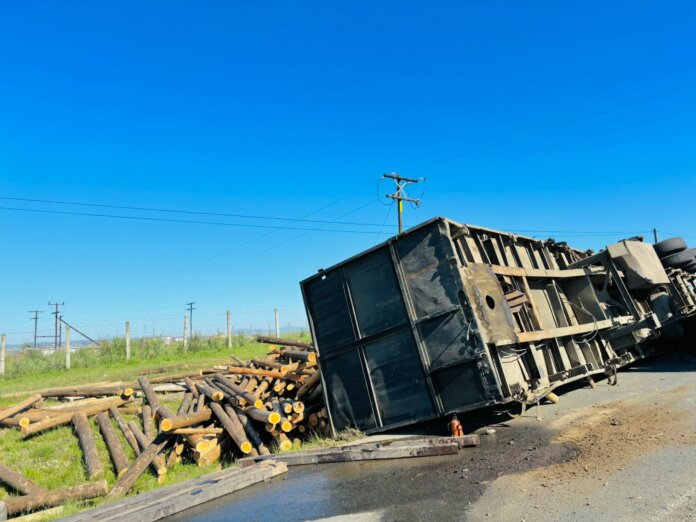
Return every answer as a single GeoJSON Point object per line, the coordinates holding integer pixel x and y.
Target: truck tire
{"type": "Point", "coordinates": [691, 267]}
{"type": "Point", "coordinates": [678, 260]}
{"type": "Point", "coordinates": [670, 246]}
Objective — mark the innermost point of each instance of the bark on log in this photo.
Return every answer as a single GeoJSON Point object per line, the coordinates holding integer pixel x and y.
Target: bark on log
{"type": "Point", "coordinates": [233, 427]}
{"type": "Point", "coordinates": [284, 342]}
{"type": "Point", "coordinates": [210, 392]}
{"type": "Point", "coordinates": [150, 394]}
{"type": "Point", "coordinates": [240, 370]}
{"type": "Point", "coordinates": [197, 431]}
{"type": "Point", "coordinates": [19, 482]}
{"type": "Point", "coordinates": [159, 464]}
{"type": "Point", "coordinates": [102, 391]}
{"type": "Point", "coordinates": [191, 386]}
{"type": "Point", "coordinates": [89, 446]}
{"type": "Point", "coordinates": [125, 483]}
{"type": "Point", "coordinates": [16, 505]}
{"type": "Point", "coordinates": [125, 429]}
{"type": "Point", "coordinates": [185, 404]}
{"type": "Point", "coordinates": [60, 420]}
{"type": "Point", "coordinates": [310, 383]}
{"type": "Point", "coordinates": [148, 422]}
{"type": "Point", "coordinates": [184, 421]}
{"type": "Point", "coordinates": [118, 457]}
{"type": "Point", "coordinates": [20, 406]}
{"type": "Point", "coordinates": [300, 355]}
{"type": "Point", "coordinates": [268, 417]}
{"type": "Point", "coordinates": [235, 390]}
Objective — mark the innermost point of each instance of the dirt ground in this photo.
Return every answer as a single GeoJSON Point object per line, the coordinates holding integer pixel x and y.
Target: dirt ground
{"type": "Point", "coordinates": [613, 453]}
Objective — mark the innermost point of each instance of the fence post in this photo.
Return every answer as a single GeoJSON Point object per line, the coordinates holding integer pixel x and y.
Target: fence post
{"type": "Point", "coordinates": [186, 327]}
{"type": "Point", "coordinates": [277, 322]}
{"type": "Point", "coordinates": [2, 355]}
{"type": "Point", "coordinates": [67, 347]}
{"type": "Point", "coordinates": [229, 329]}
{"type": "Point", "coordinates": [128, 348]}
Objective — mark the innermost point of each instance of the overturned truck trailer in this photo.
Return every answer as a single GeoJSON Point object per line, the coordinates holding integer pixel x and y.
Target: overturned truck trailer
{"type": "Point", "coordinates": [448, 318]}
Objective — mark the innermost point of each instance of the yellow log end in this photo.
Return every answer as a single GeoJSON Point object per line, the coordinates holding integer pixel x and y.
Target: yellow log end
{"type": "Point", "coordinates": [552, 397]}
{"type": "Point", "coordinates": [286, 426]}
{"type": "Point", "coordinates": [258, 403]}
{"type": "Point", "coordinates": [127, 392]}
{"type": "Point", "coordinates": [298, 407]}
{"type": "Point", "coordinates": [274, 417]}
{"type": "Point", "coordinates": [246, 447]}
{"type": "Point", "coordinates": [218, 396]}
{"type": "Point", "coordinates": [285, 445]}
{"type": "Point", "coordinates": [166, 425]}
{"type": "Point", "coordinates": [202, 446]}
{"type": "Point", "coordinates": [24, 422]}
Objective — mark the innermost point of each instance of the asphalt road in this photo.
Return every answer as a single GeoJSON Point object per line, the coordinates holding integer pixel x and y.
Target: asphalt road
{"type": "Point", "coordinates": [612, 453]}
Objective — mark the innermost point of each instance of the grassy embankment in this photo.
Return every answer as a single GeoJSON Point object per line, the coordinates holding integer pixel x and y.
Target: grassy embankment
{"type": "Point", "coordinates": [54, 459]}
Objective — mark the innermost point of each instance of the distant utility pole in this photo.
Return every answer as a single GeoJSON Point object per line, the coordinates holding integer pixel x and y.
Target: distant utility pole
{"type": "Point", "coordinates": [655, 234]}
{"type": "Point", "coordinates": [36, 324]}
{"type": "Point", "coordinates": [400, 195]}
{"type": "Point", "coordinates": [190, 311]}
{"type": "Point", "coordinates": [277, 322]}
{"type": "Point", "coordinates": [58, 329]}
{"type": "Point", "coordinates": [229, 329]}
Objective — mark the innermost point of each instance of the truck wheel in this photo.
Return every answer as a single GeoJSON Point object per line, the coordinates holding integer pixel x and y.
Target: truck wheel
{"type": "Point", "coordinates": [670, 246]}
{"type": "Point", "coordinates": [679, 260]}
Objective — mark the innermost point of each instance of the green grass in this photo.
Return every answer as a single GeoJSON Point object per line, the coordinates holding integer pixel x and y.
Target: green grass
{"type": "Point", "coordinates": [31, 370]}
{"type": "Point", "coordinates": [53, 459]}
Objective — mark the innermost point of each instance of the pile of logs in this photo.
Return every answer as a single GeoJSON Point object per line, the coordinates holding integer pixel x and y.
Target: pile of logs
{"type": "Point", "coordinates": [244, 409]}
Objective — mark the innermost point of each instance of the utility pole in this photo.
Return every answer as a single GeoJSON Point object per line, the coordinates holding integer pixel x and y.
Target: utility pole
{"type": "Point", "coordinates": [57, 324]}
{"type": "Point", "coordinates": [400, 195]}
{"type": "Point", "coordinates": [128, 345]}
{"type": "Point", "coordinates": [229, 329]}
{"type": "Point", "coordinates": [36, 324]}
{"type": "Point", "coordinates": [277, 322]}
{"type": "Point", "coordinates": [67, 347]}
{"type": "Point", "coordinates": [2, 355]}
{"type": "Point", "coordinates": [186, 333]}
{"type": "Point", "coordinates": [190, 311]}
{"type": "Point", "coordinates": [655, 234]}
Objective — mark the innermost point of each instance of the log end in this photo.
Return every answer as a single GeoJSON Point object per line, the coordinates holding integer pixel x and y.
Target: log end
{"type": "Point", "coordinates": [274, 417]}
{"type": "Point", "coordinates": [286, 426]}
{"type": "Point", "coordinates": [245, 447]}
{"type": "Point", "coordinates": [218, 396]}
{"type": "Point", "coordinates": [166, 424]}
{"type": "Point", "coordinates": [258, 403]}
{"type": "Point", "coordinates": [24, 422]}
{"type": "Point", "coordinates": [285, 445]}
{"type": "Point", "coordinates": [128, 392]}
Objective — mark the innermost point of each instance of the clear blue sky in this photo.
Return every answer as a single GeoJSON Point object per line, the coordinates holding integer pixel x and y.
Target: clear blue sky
{"type": "Point", "coordinates": [570, 116]}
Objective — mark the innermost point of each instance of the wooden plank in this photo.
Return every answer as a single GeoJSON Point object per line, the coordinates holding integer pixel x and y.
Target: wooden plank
{"type": "Point", "coordinates": [167, 501]}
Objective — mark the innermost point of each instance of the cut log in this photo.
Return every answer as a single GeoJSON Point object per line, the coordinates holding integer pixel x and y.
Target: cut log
{"type": "Point", "coordinates": [125, 429]}
{"type": "Point", "coordinates": [159, 464]}
{"type": "Point", "coordinates": [210, 392]}
{"type": "Point", "coordinates": [268, 417]}
{"type": "Point", "coordinates": [250, 430]}
{"type": "Point", "coordinates": [184, 421]}
{"type": "Point", "coordinates": [19, 482]}
{"type": "Point", "coordinates": [185, 404]}
{"type": "Point", "coordinates": [192, 387]}
{"type": "Point", "coordinates": [233, 427]}
{"type": "Point", "coordinates": [60, 420]}
{"type": "Point", "coordinates": [310, 383]}
{"type": "Point", "coordinates": [118, 457]}
{"type": "Point", "coordinates": [197, 431]}
{"type": "Point", "coordinates": [284, 342]}
{"type": "Point", "coordinates": [102, 391]}
{"type": "Point", "coordinates": [126, 482]}
{"type": "Point", "coordinates": [240, 370]}
{"type": "Point", "coordinates": [300, 355]}
{"type": "Point", "coordinates": [150, 394]}
{"type": "Point", "coordinates": [148, 422]}
{"type": "Point", "coordinates": [56, 497]}
{"type": "Point", "coordinates": [89, 446]}
{"type": "Point", "coordinates": [235, 391]}
{"type": "Point", "coordinates": [20, 406]}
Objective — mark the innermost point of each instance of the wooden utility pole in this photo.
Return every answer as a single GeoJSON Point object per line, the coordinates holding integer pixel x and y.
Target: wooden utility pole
{"type": "Point", "coordinates": [655, 234]}
{"type": "Point", "coordinates": [67, 347]}
{"type": "Point", "coordinates": [229, 329]}
{"type": "Point", "coordinates": [2, 355]}
{"type": "Point", "coordinates": [36, 324]}
{"type": "Point", "coordinates": [56, 339]}
{"type": "Point", "coordinates": [277, 323]}
{"type": "Point", "coordinates": [186, 331]}
{"type": "Point", "coordinates": [128, 347]}
{"type": "Point", "coordinates": [190, 311]}
{"type": "Point", "coordinates": [400, 195]}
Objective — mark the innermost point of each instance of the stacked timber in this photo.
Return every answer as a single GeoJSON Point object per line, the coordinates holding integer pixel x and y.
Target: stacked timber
{"type": "Point", "coordinates": [242, 409]}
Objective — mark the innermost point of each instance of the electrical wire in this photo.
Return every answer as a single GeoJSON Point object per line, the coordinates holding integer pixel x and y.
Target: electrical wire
{"type": "Point", "coordinates": [186, 221]}
{"type": "Point", "coordinates": [193, 212]}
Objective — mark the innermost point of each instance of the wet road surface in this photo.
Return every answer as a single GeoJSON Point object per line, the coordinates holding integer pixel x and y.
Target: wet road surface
{"type": "Point", "coordinates": [626, 452]}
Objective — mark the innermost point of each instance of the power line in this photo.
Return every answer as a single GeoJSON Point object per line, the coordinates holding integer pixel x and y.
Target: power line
{"type": "Point", "coordinates": [400, 195]}
{"type": "Point", "coordinates": [555, 127]}
{"type": "Point", "coordinates": [187, 221]}
{"type": "Point", "coordinates": [192, 212]}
